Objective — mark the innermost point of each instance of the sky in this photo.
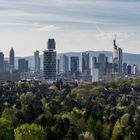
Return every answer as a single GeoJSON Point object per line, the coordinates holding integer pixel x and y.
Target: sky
{"type": "Point", "coordinates": [76, 25]}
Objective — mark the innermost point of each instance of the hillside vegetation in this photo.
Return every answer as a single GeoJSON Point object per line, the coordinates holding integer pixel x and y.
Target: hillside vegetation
{"type": "Point", "coordinates": [98, 111]}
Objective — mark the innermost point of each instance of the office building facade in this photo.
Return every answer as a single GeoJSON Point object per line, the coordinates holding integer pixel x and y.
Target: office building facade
{"type": "Point", "coordinates": [74, 67]}
{"type": "Point", "coordinates": [12, 58]}
{"type": "Point", "coordinates": [118, 59]}
{"type": "Point", "coordinates": [1, 62]}
{"type": "Point", "coordinates": [86, 71]}
{"type": "Point", "coordinates": [36, 62]}
{"type": "Point", "coordinates": [49, 64]}
{"type": "Point", "coordinates": [64, 64]}
{"type": "Point", "coordinates": [23, 65]}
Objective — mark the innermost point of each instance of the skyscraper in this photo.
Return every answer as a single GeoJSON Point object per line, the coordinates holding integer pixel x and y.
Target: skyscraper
{"type": "Point", "coordinates": [50, 61]}
{"type": "Point", "coordinates": [85, 62]}
{"type": "Point", "coordinates": [6, 66]}
{"type": "Point", "coordinates": [129, 70]}
{"type": "Point", "coordinates": [124, 68]}
{"type": "Point", "coordinates": [37, 62]}
{"type": "Point", "coordinates": [12, 58]}
{"type": "Point", "coordinates": [26, 66]}
{"type": "Point", "coordinates": [118, 58]}
{"type": "Point", "coordinates": [64, 64]}
{"type": "Point", "coordinates": [74, 66]}
{"type": "Point", "coordinates": [85, 66]}
{"type": "Point", "coordinates": [1, 62]}
{"type": "Point", "coordinates": [102, 60]}
{"type": "Point", "coordinates": [22, 65]}
{"type": "Point", "coordinates": [58, 66]}
{"type": "Point", "coordinates": [94, 70]}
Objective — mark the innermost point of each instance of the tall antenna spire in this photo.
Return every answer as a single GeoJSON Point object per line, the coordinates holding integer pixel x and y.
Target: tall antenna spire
{"type": "Point", "coordinates": [115, 37]}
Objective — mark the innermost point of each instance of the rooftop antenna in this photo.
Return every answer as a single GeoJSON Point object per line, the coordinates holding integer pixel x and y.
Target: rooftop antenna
{"type": "Point", "coordinates": [115, 36]}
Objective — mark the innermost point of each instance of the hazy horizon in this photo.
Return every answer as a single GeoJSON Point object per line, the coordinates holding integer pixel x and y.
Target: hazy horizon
{"type": "Point", "coordinates": [76, 25]}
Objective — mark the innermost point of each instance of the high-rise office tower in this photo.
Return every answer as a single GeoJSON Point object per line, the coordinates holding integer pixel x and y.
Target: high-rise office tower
{"type": "Point", "coordinates": [74, 66]}
{"type": "Point", "coordinates": [22, 65]}
{"type": "Point", "coordinates": [6, 66]}
{"type": "Point", "coordinates": [1, 62]}
{"type": "Point", "coordinates": [12, 58]}
{"type": "Point", "coordinates": [102, 60]}
{"type": "Point", "coordinates": [37, 62]}
{"type": "Point", "coordinates": [50, 61]}
{"type": "Point", "coordinates": [26, 66]}
{"type": "Point", "coordinates": [115, 57]}
{"type": "Point", "coordinates": [129, 70]}
{"type": "Point", "coordinates": [85, 66]}
{"type": "Point", "coordinates": [85, 62]}
{"type": "Point", "coordinates": [118, 58]}
{"type": "Point", "coordinates": [61, 64]}
{"type": "Point", "coordinates": [134, 69]}
{"type": "Point", "coordinates": [64, 64]}
{"type": "Point", "coordinates": [94, 70]}
{"type": "Point", "coordinates": [115, 53]}
{"type": "Point", "coordinates": [124, 68]}
{"type": "Point", "coordinates": [58, 66]}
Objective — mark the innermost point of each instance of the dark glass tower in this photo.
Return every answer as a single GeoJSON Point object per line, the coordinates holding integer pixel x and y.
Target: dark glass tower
{"type": "Point", "coordinates": [51, 44]}
{"type": "Point", "coordinates": [50, 61]}
{"type": "Point", "coordinates": [23, 65]}
{"type": "Point", "coordinates": [118, 58]}
{"type": "Point", "coordinates": [1, 62]}
{"type": "Point", "coordinates": [12, 58]}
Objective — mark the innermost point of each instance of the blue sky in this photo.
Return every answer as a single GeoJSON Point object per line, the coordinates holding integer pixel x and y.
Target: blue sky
{"type": "Point", "coordinates": [77, 25]}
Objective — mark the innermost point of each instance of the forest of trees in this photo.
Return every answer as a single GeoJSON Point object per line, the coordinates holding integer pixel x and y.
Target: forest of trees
{"type": "Point", "coordinates": [97, 111]}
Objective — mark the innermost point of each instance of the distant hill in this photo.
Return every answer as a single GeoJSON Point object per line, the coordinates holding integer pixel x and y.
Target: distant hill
{"type": "Point", "coordinates": [127, 57]}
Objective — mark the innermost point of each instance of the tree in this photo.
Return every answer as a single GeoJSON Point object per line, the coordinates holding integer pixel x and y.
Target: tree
{"type": "Point", "coordinates": [130, 109]}
{"type": "Point", "coordinates": [117, 133]}
{"type": "Point", "coordinates": [72, 134]}
{"type": "Point", "coordinates": [27, 99]}
{"type": "Point", "coordinates": [127, 120]}
{"type": "Point", "coordinates": [91, 124]}
{"type": "Point", "coordinates": [6, 129]}
{"type": "Point", "coordinates": [44, 120]}
{"type": "Point", "coordinates": [20, 118]}
{"type": "Point", "coordinates": [106, 131]}
{"type": "Point", "coordinates": [29, 113]}
{"type": "Point", "coordinates": [135, 131]}
{"type": "Point", "coordinates": [97, 130]}
{"type": "Point", "coordinates": [86, 136]}
{"type": "Point", "coordinates": [9, 114]}
{"type": "Point", "coordinates": [59, 127]}
{"type": "Point", "coordinates": [29, 132]}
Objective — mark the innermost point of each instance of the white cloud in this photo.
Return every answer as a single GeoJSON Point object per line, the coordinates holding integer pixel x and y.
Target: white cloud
{"type": "Point", "coordinates": [49, 28]}
{"type": "Point", "coordinates": [111, 35]}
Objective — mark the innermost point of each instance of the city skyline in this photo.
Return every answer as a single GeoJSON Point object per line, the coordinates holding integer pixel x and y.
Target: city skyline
{"type": "Point", "coordinates": [86, 66]}
{"type": "Point", "coordinates": [26, 25]}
